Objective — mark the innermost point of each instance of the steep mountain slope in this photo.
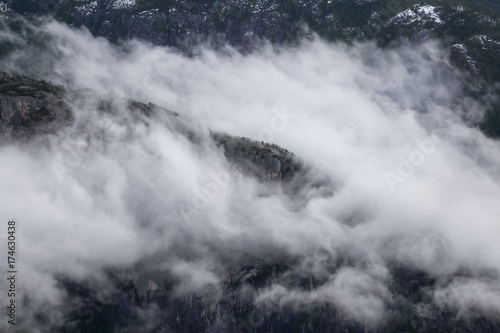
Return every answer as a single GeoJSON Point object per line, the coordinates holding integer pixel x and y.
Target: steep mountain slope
{"type": "Point", "coordinates": [267, 286]}
{"type": "Point", "coordinates": [469, 29]}
{"type": "Point", "coordinates": [143, 297]}
{"type": "Point", "coordinates": [29, 107]}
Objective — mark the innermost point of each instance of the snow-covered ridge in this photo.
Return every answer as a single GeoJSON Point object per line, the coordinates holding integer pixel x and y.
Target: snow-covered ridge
{"type": "Point", "coordinates": [120, 4]}
{"type": "Point", "coordinates": [484, 39]}
{"type": "Point", "coordinates": [88, 8]}
{"type": "Point", "coordinates": [430, 12]}
{"type": "Point", "coordinates": [408, 16]}
{"type": "Point", "coordinates": [418, 13]}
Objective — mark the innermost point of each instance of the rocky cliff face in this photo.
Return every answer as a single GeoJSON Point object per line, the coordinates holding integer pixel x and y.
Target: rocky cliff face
{"type": "Point", "coordinates": [243, 23]}
{"type": "Point", "coordinates": [142, 298]}
{"type": "Point", "coordinates": [263, 160]}
{"type": "Point", "coordinates": [468, 29]}
{"type": "Point", "coordinates": [231, 306]}
{"type": "Point", "coordinates": [28, 106]}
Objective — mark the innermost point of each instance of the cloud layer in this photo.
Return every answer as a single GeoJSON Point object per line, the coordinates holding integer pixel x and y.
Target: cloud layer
{"type": "Point", "coordinates": [412, 183]}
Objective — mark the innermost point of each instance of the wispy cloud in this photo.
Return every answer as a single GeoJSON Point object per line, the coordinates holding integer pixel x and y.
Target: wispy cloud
{"type": "Point", "coordinates": [356, 110]}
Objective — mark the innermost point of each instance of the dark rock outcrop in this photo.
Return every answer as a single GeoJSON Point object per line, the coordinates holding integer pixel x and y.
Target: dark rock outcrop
{"type": "Point", "coordinates": [29, 107]}
{"type": "Point", "coordinates": [230, 306]}
{"type": "Point", "coordinates": [468, 29]}
{"type": "Point", "coordinates": [263, 160]}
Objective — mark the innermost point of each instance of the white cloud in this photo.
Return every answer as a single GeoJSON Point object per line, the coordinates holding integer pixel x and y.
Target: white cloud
{"type": "Point", "coordinates": [357, 109]}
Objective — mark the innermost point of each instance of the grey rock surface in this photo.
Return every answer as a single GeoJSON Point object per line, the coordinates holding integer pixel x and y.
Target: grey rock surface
{"type": "Point", "coordinates": [265, 161]}
{"type": "Point", "coordinates": [29, 106]}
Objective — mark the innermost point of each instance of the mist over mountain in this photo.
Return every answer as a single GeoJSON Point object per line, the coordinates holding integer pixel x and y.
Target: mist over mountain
{"type": "Point", "coordinates": [305, 184]}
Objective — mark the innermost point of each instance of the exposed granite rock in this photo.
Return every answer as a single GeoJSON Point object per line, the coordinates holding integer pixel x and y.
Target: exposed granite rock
{"type": "Point", "coordinates": [29, 106]}
{"type": "Point", "coordinates": [263, 160]}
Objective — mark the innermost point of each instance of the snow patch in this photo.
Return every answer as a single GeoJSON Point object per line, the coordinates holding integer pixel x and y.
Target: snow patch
{"type": "Point", "coordinates": [121, 4]}
{"type": "Point", "coordinates": [88, 8]}
{"type": "Point", "coordinates": [429, 11]}
{"type": "Point", "coordinates": [409, 16]}
{"type": "Point", "coordinates": [463, 50]}
{"type": "Point", "coordinates": [483, 39]}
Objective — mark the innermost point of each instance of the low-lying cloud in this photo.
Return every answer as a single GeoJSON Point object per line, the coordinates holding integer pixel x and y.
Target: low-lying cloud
{"type": "Point", "coordinates": [114, 188]}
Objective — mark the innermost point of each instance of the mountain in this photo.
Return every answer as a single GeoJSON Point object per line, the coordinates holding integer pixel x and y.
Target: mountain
{"type": "Point", "coordinates": [173, 266]}
{"type": "Point", "coordinates": [29, 107]}
{"type": "Point", "coordinates": [468, 29]}
{"type": "Point", "coordinates": [142, 297]}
